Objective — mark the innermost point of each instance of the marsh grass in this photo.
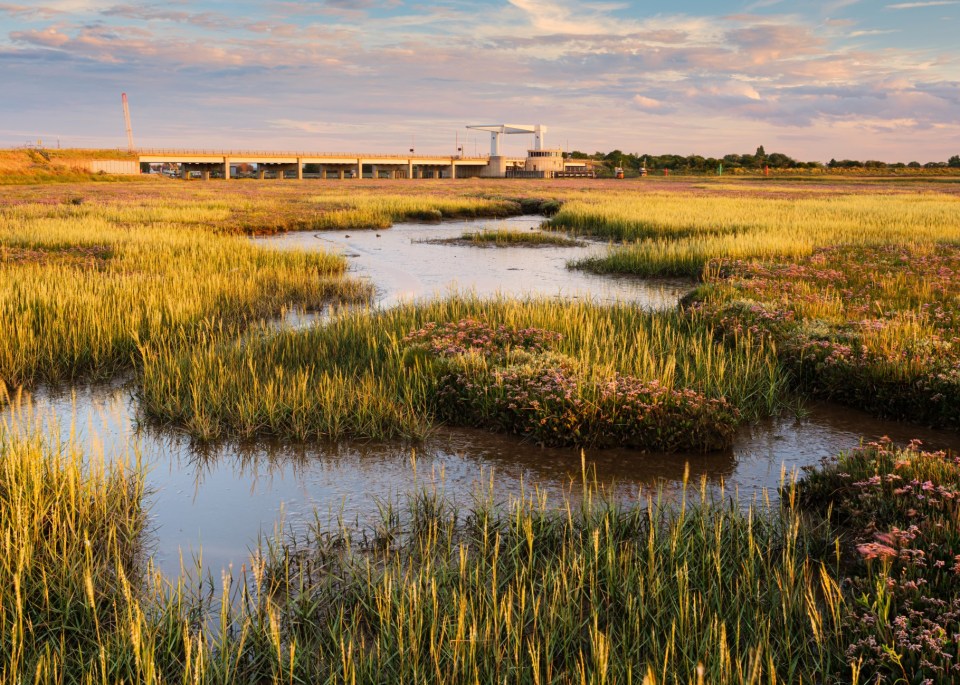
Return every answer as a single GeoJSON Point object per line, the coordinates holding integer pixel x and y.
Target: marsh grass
{"type": "Point", "coordinates": [873, 327]}
{"type": "Point", "coordinates": [354, 377]}
{"type": "Point", "coordinates": [505, 237]}
{"type": "Point", "coordinates": [531, 591]}
{"type": "Point", "coordinates": [838, 582]}
{"type": "Point", "coordinates": [83, 286]}
{"type": "Point", "coordinates": [679, 234]}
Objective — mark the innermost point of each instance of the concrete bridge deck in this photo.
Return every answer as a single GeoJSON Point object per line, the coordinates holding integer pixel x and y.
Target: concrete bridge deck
{"type": "Point", "coordinates": [340, 164]}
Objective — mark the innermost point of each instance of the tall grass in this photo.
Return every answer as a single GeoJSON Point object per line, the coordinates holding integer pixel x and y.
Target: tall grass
{"type": "Point", "coordinates": [353, 377]}
{"type": "Point", "coordinates": [505, 237]}
{"type": "Point", "coordinates": [530, 592]}
{"type": "Point", "coordinates": [81, 287]}
{"type": "Point", "coordinates": [874, 327]}
{"type": "Point", "coordinates": [848, 578]}
{"type": "Point", "coordinates": [678, 234]}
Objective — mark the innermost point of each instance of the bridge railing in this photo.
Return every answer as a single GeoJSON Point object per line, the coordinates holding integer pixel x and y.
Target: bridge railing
{"type": "Point", "coordinates": [159, 152]}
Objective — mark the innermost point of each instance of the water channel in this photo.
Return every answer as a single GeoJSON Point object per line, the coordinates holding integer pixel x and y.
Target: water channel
{"type": "Point", "coordinates": [221, 498]}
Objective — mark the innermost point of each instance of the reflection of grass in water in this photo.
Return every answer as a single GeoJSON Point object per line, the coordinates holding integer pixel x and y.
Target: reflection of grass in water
{"type": "Point", "coordinates": [353, 377]}
{"type": "Point", "coordinates": [526, 590]}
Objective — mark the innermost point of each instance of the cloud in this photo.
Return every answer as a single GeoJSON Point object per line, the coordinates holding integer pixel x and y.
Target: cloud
{"type": "Point", "coordinates": [917, 5]}
{"type": "Point", "coordinates": [284, 71]}
{"type": "Point", "coordinates": [25, 12]}
{"type": "Point", "coordinates": [647, 103]}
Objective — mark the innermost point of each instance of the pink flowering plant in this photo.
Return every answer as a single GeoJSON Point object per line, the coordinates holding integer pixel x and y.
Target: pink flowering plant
{"type": "Point", "coordinates": [511, 381]}
{"type": "Point", "coordinates": [896, 513]}
{"type": "Point", "coordinates": [874, 327]}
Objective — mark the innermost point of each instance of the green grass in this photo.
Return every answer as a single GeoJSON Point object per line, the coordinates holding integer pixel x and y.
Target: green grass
{"type": "Point", "coordinates": [877, 328]}
{"type": "Point", "coordinates": [505, 237]}
{"type": "Point", "coordinates": [354, 377]}
{"type": "Point", "coordinates": [677, 234]}
{"type": "Point", "coordinates": [532, 590]}
{"type": "Point", "coordinates": [82, 286]}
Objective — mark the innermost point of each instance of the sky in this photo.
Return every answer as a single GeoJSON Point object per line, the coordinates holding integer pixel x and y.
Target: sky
{"type": "Point", "coordinates": [860, 79]}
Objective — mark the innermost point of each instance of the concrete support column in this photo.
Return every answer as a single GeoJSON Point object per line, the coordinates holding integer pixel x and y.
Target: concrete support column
{"type": "Point", "coordinates": [359, 168]}
{"type": "Point", "coordinates": [226, 168]}
{"type": "Point", "coordinates": [280, 172]}
{"type": "Point", "coordinates": [205, 174]}
{"type": "Point", "coordinates": [340, 173]}
{"type": "Point", "coordinates": [184, 172]}
{"type": "Point", "coordinates": [453, 169]}
{"type": "Point", "coordinates": [376, 172]}
{"type": "Point", "coordinates": [299, 168]}
{"type": "Point", "coordinates": [409, 168]}
{"type": "Point", "coordinates": [323, 172]}
{"type": "Point", "coordinates": [261, 172]}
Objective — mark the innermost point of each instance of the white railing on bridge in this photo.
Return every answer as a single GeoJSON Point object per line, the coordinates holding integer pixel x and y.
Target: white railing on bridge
{"type": "Point", "coordinates": [159, 152]}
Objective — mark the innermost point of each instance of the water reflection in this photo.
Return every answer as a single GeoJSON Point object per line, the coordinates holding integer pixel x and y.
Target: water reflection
{"type": "Point", "coordinates": [222, 497]}
{"type": "Point", "coordinates": [403, 267]}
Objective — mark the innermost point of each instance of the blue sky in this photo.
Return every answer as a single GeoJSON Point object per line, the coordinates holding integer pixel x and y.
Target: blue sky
{"type": "Point", "coordinates": [876, 79]}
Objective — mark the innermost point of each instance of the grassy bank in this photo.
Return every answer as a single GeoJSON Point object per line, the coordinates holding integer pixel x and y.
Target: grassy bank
{"type": "Point", "coordinates": [677, 235]}
{"type": "Point", "coordinates": [82, 285]}
{"type": "Point", "coordinates": [40, 166]}
{"type": "Point", "coordinates": [850, 580]}
{"type": "Point", "coordinates": [362, 376]}
{"type": "Point", "coordinates": [877, 328]}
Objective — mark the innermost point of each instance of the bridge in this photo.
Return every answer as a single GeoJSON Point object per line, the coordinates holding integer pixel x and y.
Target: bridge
{"type": "Point", "coordinates": [282, 165]}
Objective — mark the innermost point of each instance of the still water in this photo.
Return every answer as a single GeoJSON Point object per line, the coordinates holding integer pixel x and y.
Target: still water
{"type": "Point", "coordinates": [221, 498]}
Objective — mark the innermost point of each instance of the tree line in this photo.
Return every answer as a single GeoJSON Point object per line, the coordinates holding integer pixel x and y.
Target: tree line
{"type": "Point", "coordinates": [758, 161]}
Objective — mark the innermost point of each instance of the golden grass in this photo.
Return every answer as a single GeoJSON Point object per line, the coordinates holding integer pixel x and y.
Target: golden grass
{"type": "Point", "coordinates": [677, 234]}
{"type": "Point", "coordinates": [83, 285]}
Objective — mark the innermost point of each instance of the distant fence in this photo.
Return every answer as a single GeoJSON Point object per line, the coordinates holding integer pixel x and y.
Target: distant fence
{"type": "Point", "coordinates": [117, 167]}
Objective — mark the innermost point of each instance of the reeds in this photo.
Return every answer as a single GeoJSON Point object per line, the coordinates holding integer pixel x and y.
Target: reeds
{"type": "Point", "coordinates": [679, 234]}
{"type": "Point", "coordinates": [82, 286]}
{"type": "Point", "coordinates": [353, 377]}
{"type": "Point", "coordinates": [530, 591]}
{"type": "Point", "coordinates": [505, 237]}
{"type": "Point", "coordinates": [874, 327]}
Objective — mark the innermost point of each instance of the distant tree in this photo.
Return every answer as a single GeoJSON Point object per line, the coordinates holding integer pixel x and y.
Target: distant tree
{"type": "Point", "coordinates": [954, 162]}
{"type": "Point", "coordinates": [576, 154]}
{"type": "Point", "coordinates": [780, 161]}
{"type": "Point", "coordinates": [759, 157]}
{"type": "Point", "coordinates": [731, 161]}
{"type": "Point", "coordinates": [914, 165]}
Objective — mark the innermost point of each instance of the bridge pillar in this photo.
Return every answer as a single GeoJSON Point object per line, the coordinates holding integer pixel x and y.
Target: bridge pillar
{"type": "Point", "coordinates": [280, 172]}
{"type": "Point", "coordinates": [409, 168]}
{"type": "Point", "coordinates": [376, 171]}
{"type": "Point", "coordinates": [299, 168]}
{"type": "Point", "coordinates": [340, 173]}
{"type": "Point", "coordinates": [226, 168]}
{"type": "Point", "coordinates": [261, 171]}
{"type": "Point", "coordinates": [205, 174]}
{"type": "Point", "coordinates": [184, 172]}
{"type": "Point", "coordinates": [453, 169]}
{"type": "Point", "coordinates": [359, 168]}
{"type": "Point", "coordinates": [323, 172]}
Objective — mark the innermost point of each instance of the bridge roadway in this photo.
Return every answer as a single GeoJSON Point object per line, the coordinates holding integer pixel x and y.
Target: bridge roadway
{"type": "Point", "coordinates": [281, 165]}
